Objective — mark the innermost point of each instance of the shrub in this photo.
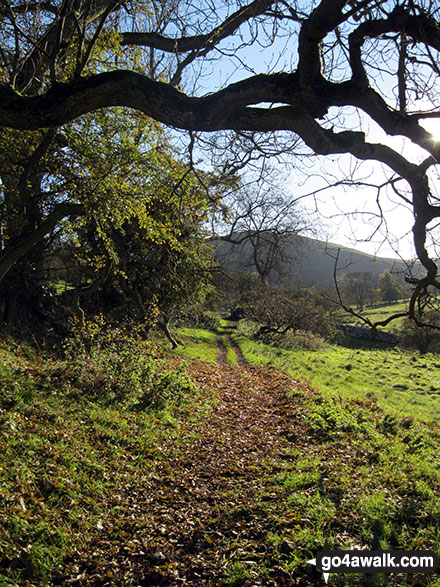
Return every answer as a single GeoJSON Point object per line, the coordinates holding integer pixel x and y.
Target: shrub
{"type": "Point", "coordinates": [248, 328]}
{"type": "Point", "coordinates": [297, 340]}
{"type": "Point", "coordinates": [422, 338]}
{"type": "Point", "coordinates": [169, 387]}
{"type": "Point", "coordinates": [328, 417]}
{"type": "Point", "coordinates": [200, 319]}
{"type": "Point", "coordinates": [116, 366]}
{"type": "Point", "coordinates": [208, 319]}
{"type": "Point", "coordinates": [283, 309]}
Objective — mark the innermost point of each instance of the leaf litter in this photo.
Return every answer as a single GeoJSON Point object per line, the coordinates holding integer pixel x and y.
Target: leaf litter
{"type": "Point", "coordinates": [200, 509]}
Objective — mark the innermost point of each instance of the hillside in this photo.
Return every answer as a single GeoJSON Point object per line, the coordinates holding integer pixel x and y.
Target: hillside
{"type": "Point", "coordinates": [311, 261]}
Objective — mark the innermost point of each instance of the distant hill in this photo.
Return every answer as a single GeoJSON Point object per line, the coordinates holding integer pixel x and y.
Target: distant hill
{"type": "Point", "coordinates": [311, 261]}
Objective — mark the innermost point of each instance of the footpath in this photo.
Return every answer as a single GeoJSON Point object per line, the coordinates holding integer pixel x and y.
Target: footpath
{"type": "Point", "coordinates": [205, 516]}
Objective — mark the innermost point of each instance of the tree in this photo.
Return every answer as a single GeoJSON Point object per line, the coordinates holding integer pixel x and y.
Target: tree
{"type": "Point", "coordinates": [31, 207]}
{"type": "Point", "coordinates": [142, 242]}
{"type": "Point", "coordinates": [420, 337]}
{"type": "Point", "coordinates": [390, 289]}
{"type": "Point", "coordinates": [378, 58]}
{"type": "Point", "coordinates": [280, 309]}
{"type": "Point", "coordinates": [263, 225]}
{"type": "Point", "coordinates": [163, 279]}
{"type": "Point", "coordinates": [99, 170]}
{"type": "Point", "coordinates": [359, 287]}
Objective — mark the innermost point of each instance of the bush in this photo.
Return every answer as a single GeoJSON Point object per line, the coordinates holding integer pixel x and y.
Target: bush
{"type": "Point", "coordinates": [328, 417]}
{"type": "Point", "coordinates": [283, 309]}
{"type": "Point", "coordinates": [167, 388]}
{"type": "Point", "coordinates": [116, 366]}
{"type": "Point", "coordinates": [209, 320]}
{"type": "Point", "coordinates": [304, 340]}
{"type": "Point", "coordinates": [200, 319]}
{"type": "Point", "coordinates": [248, 328]}
{"type": "Point", "coordinates": [422, 338]}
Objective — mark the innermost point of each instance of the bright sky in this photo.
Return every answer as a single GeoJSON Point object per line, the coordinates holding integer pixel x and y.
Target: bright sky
{"type": "Point", "coordinates": [348, 216]}
{"type": "Point", "coordinates": [351, 216]}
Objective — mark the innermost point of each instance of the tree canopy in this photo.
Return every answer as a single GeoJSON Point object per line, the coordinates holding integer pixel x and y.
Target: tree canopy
{"type": "Point", "coordinates": [377, 58]}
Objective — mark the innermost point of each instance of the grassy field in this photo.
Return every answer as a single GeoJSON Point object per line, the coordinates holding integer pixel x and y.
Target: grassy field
{"type": "Point", "coordinates": [403, 382]}
{"type": "Point", "coordinates": [377, 313]}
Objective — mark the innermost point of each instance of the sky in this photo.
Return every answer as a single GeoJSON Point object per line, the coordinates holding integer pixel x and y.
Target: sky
{"type": "Point", "coordinates": [346, 216]}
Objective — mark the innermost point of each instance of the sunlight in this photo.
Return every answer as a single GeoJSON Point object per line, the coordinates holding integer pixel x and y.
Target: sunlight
{"type": "Point", "coordinates": [433, 126]}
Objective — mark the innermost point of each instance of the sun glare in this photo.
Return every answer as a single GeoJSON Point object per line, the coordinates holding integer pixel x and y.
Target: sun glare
{"type": "Point", "coordinates": [434, 129]}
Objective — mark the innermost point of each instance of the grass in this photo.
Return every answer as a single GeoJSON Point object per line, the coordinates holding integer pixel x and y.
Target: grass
{"type": "Point", "coordinates": [367, 478]}
{"type": "Point", "coordinates": [197, 344]}
{"type": "Point", "coordinates": [377, 313]}
{"type": "Point", "coordinates": [231, 357]}
{"type": "Point", "coordinates": [403, 382]}
{"type": "Point", "coordinates": [61, 286]}
{"type": "Point", "coordinates": [364, 480]}
{"type": "Point", "coordinates": [68, 460]}
{"type": "Point", "coordinates": [202, 344]}
{"type": "Point", "coordinates": [72, 464]}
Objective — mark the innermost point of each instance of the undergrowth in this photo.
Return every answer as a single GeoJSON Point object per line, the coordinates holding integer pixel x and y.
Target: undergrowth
{"type": "Point", "coordinates": [77, 436]}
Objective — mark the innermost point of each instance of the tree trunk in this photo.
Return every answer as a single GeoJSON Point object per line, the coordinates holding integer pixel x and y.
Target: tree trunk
{"type": "Point", "coordinates": [24, 243]}
{"type": "Point", "coordinates": [10, 305]}
{"type": "Point", "coordinates": [89, 290]}
{"type": "Point", "coordinates": [164, 326]}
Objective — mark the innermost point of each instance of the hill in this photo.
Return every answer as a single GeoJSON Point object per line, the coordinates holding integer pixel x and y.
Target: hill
{"type": "Point", "coordinates": [310, 261]}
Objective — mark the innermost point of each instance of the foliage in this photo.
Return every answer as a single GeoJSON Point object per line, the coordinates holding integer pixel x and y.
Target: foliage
{"type": "Point", "coordinates": [390, 289]}
{"type": "Point", "coordinates": [248, 328]}
{"type": "Point", "coordinates": [282, 309]}
{"type": "Point", "coordinates": [358, 288]}
{"type": "Point", "coordinates": [423, 338]}
{"type": "Point", "coordinates": [329, 417]}
{"type": "Point", "coordinates": [169, 387]}
{"type": "Point", "coordinates": [148, 208]}
{"type": "Point", "coordinates": [118, 366]}
{"type": "Point", "coordinates": [132, 216]}
{"type": "Point", "coordinates": [374, 58]}
{"type": "Point", "coordinates": [303, 339]}
{"type": "Point", "coordinates": [76, 447]}
{"type": "Point", "coordinates": [199, 316]}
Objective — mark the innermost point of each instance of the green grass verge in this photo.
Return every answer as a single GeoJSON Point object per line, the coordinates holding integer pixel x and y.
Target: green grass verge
{"type": "Point", "coordinates": [197, 344]}
{"type": "Point", "coordinates": [360, 477]}
{"type": "Point", "coordinates": [231, 357]}
{"type": "Point", "coordinates": [69, 460]}
{"type": "Point", "coordinates": [403, 382]}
